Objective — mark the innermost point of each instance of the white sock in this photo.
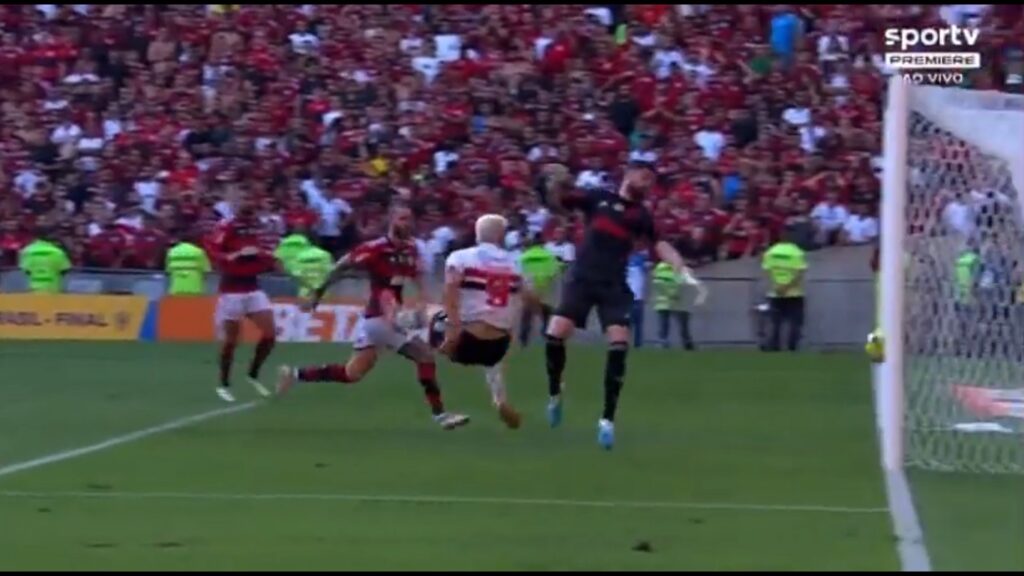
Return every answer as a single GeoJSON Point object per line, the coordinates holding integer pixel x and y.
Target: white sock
{"type": "Point", "coordinates": [496, 382]}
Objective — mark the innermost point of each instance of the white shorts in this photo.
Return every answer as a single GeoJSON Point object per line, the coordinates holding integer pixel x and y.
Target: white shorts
{"type": "Point", "coordinates": [379, 333]}
{"type": "Point", "coordinates": [235, 307]}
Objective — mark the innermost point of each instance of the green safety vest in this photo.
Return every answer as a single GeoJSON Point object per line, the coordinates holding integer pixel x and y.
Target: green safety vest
{"type": "Point", "coordinates": [668, 294]}
{"type": "Point", "coordinates": [540, 267]}
{"type": "Point", "coordinates": [187, 267]}
{"type": "Point", "coordinates": [289, 249]}
{"type": "Point", "coordinates": [45, 264]}
{"type": "Point", "coordinates": [783, 262]}
{"type": "Point", "coordinates": [310, 268]}
{"type": "Point", "coordinates": [966, 268]}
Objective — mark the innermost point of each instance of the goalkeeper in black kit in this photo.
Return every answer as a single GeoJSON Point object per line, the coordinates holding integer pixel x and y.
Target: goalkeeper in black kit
{"type": "Point", "coordinates": [615, 222]}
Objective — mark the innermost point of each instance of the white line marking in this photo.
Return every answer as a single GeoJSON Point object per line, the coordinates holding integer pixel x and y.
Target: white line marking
{"type": "Point", "coordinates": [910, 537]}
{"type": "Point", "coordinates": [125, 439]}
{"type": "Point", "coordinates": [397, 499]}
{"type": "Point", "coordinates": [910, 545]}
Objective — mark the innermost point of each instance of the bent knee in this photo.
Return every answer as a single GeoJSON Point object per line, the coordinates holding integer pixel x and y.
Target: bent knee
{"type": "Point", "coordinates": [560, 327]}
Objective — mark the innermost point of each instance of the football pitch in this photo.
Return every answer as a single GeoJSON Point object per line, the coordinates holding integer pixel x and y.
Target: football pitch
{"type": "Point", "coordinates": [724, 461]}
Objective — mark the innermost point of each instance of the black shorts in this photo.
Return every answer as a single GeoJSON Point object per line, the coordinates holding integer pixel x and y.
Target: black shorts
{"type": "Point", "coordinates": [613, 300]}
{"type": "Point", "coordinates": [473, 351]}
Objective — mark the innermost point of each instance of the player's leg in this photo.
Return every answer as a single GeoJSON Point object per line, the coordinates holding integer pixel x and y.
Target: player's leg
{"type": "Point", "coordinates": [525, 326]}
{"type": "Point", "coordinates": [230, 331]}
{"type": "Point", "coordinates": [358, 366]}
{"type": "Point", "coordinates": [571, 313]}
{"type": "Point", "coordinates": [426, 372]}
{"type": "Point", "coordinates": [262, 316]}
{"type": "Point", "coordinates": [613, 311]}
{"type": "Point", "coordinates": [362, 361]}
{"type": "Point", "coordinates": [546, 311]}
{"type": "Point", "coordinates": [227, 317]}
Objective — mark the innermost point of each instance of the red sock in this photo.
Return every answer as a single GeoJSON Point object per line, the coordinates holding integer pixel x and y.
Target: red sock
{"type": "Point", "coordinates": [227, 357]}
{"type": "Point", "coordinates": [263, 348]}
{"type": "Point", "coordinates": [325, 373]}
{"type": "Point", "coordinates": [427, 375]}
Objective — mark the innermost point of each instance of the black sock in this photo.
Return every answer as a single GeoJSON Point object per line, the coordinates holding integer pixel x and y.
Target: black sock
{"type": "Point", "coordinates": [614, 370]}
{"type": "Point", "coordinates": [554, 351]}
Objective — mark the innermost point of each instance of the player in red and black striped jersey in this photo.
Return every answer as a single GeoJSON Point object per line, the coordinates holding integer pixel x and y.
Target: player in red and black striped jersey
{"type": "Point", "coordinates": [240, 254]}
{"type": "Point", "coordinates": [615, 222]}
{"type": "Point", "coordinates": [390, 261]}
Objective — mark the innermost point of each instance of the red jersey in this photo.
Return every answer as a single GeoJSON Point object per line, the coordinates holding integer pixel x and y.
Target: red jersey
{"type": "Point", "coordinates": [239, 273]}
{"type": "Point", "coordinates": [389, 263]}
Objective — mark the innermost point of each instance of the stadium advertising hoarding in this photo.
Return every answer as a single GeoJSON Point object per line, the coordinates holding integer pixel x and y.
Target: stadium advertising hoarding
{"type": "Point", "coordinates": [75, 317]}
{"type": "Point", "coordinates": [191, 319]}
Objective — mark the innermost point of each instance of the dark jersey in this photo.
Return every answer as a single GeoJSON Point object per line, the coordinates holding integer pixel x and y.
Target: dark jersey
{"type": "Point", "coordinates": [389, 264]}
{"type": "Point", "coordinates": [613, 226]}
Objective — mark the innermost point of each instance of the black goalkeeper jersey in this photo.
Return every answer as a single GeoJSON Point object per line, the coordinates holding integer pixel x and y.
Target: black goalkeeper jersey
{"type": "Point", "coordinates": [613, 227]}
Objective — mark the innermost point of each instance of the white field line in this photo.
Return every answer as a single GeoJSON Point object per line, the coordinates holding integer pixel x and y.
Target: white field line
{"type": "Point", "coordinates": [125, 439]}
{"type": "Point", "coordinates": [910, 544]}
{"type": "Point", "coordinates": [470, 500]}
{"type": "Point", "coordinates": [911, 547]}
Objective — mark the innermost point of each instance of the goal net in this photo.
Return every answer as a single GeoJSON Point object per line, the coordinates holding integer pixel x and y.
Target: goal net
{"type": "Point", "coordinates": [962, 277]}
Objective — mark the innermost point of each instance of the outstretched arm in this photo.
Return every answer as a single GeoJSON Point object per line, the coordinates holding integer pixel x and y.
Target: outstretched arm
{"type": "Point", "coordinates": [341, 267]}
{"type": "Point", "coordinates": [667, 253]}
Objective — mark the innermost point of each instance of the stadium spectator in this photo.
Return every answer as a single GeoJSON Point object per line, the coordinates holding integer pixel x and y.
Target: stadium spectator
{"type": "Point", "coordinates": [860, 227]}
{"type": "Point", "coordinates": [829, 219]}
{"type": "Point", "coordinates": [326, 112]}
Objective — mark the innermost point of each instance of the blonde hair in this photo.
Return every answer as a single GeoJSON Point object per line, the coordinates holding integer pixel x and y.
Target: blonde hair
{"type": "Point", "coordinates": [491, 228]}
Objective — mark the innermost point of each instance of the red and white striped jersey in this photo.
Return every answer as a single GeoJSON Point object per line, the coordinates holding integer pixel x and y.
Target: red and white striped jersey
{"type": "Point", "coordinates": [491, 284]}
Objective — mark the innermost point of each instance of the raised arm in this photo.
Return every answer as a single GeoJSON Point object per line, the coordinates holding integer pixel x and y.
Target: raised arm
{"type": "Point", "coordinates": [558, 199]}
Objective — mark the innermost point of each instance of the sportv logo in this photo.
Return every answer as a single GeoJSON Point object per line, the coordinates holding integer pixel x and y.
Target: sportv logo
{"type": "Point", "coordinates": [907, 39]}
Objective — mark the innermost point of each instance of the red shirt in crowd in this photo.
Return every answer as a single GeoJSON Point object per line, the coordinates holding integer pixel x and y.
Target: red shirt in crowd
{"type": "Point", "coordinates": [108, 248]}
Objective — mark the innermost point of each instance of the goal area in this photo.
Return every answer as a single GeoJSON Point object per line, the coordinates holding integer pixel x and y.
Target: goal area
{"type": "Point", "coordinates": [951, 388]}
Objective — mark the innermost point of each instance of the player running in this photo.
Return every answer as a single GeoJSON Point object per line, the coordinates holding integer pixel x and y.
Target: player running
{"type": "Point", "coordinates": [614, 222]}
{"type": "Point", "coordinates": [483, 293]}
{"type": "Point", "coordinates": [237, 248]}
{"type": "Point", "coordinates": [390, 261]}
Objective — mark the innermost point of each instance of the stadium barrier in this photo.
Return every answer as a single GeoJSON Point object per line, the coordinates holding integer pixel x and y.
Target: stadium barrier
{"type": "Point", "coordinates": [191, 319]}
{"type": "Point", "coordinates": [76, 317]}
{"type": "Point", "coordinates": [840, 303]}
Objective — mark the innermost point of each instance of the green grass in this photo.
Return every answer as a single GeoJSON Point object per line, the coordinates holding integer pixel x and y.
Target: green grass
{"type": "Point", "coordinates": [736, 442]}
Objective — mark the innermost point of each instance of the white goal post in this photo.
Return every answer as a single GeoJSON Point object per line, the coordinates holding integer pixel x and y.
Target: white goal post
{"type": "Point", "coordinates": [951, 388]}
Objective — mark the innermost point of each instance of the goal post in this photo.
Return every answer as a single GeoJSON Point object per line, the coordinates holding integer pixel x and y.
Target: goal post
{"type": "Point", "coordinates": [951, 388]}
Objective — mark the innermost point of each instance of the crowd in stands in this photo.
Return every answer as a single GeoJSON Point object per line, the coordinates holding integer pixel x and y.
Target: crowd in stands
{"type": "Point", "coordinates": [124, 129]}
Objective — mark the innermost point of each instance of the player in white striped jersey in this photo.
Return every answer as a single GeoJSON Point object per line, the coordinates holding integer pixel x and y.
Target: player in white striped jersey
{"type": "Point", "coordinates": [483, 296]}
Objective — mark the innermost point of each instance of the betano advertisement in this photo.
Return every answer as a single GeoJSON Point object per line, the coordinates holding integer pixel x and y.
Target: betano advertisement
{"type": "Point", "coordinates": [191, 319]}
{"type": "Point", "coordinates": [76, 317]}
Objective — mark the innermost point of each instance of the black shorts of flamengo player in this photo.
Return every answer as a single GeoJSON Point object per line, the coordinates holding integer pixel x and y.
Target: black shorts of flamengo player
{"type": "Point", "coordinates": [613, 300]}
{"type": "Point", "coordinates": [473, 351]}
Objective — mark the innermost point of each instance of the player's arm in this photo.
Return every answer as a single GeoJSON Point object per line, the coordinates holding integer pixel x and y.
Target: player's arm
{"type": "Point", "coordinates": [560, 201]}
{"type": "Point", "coordinates": [667, 253]}
{"type": "Point", "coordinates": [343, 266]}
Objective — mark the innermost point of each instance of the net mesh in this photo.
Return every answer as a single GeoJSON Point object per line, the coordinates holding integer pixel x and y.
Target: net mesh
{"type": "Point", "coordinates": [964, 304]}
